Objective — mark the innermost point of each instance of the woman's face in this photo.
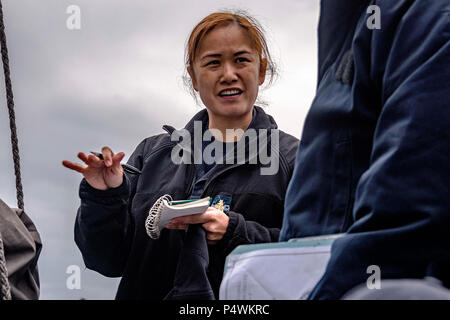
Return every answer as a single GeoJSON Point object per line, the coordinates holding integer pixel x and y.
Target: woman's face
{"type": "Point", "coordinates": [227, 72]}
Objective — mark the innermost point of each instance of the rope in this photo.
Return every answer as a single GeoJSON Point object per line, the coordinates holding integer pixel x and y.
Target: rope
{"type": "Point", "coordinates": [5, 290]}
{"type": "Point", "coordinates": [12, 117]}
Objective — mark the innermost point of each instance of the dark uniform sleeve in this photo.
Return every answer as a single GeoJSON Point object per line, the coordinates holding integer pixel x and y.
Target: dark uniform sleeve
{"type": "Point", "coordinates": [240, 232]}
{"type": "Point", "coordinates": [402, 203]}
{"type": "Point", "coordinates": [103, 226]}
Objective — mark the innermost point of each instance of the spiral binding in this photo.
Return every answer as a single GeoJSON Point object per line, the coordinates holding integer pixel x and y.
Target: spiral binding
{"type": "Point", "coordinates": [154, 215]}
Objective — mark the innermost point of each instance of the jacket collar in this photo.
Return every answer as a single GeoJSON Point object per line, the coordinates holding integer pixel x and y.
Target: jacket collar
{"type": "Point", "coordinates": [261, 120]}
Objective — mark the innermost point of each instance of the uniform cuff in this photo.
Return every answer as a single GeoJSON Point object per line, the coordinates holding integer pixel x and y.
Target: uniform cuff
{"type": "Point", "coordinates": [230, 232]}
{"type": "Point", "coordinates": [109, 196]}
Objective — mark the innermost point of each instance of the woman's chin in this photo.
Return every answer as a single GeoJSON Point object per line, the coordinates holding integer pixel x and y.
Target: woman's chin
{"type": "Point", "coordinates": [232, 111]}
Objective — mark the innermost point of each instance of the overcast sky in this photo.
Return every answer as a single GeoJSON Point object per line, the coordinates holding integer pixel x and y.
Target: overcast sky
{"type": "Point", "coordinates": [114, 82]}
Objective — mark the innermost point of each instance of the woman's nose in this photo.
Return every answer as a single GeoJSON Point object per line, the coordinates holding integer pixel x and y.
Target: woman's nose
{"type": "Point", "coordinates": [228, 73]}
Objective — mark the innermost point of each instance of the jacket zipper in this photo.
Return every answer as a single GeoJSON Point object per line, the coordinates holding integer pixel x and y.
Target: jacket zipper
{"type": "Point", "coordinates": [191, 187]}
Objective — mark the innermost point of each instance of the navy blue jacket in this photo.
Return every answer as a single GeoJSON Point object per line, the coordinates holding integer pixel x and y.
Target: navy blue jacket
{"type": "Point", "coordinates": [110, 225]}
{"type": "Point", "coordinates": [374, 158]}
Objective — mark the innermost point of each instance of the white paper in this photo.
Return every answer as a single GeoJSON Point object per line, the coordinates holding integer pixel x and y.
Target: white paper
{"type": "Point", "coordinates": [169, 213]}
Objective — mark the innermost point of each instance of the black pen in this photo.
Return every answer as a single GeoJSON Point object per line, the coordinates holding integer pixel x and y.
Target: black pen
{"type": "Point", "coordinates": [126, 167]}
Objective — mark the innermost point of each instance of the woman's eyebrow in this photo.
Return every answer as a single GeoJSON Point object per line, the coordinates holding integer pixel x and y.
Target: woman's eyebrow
{"type": "Point", "coordinates": [241, 52]}
{"type": "Point", "coordinates": [218, 55]}
{"type": "Point", "coordinates": [211, 55]}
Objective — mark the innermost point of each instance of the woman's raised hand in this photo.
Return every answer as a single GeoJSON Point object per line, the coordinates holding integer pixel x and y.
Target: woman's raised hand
{"type": "Point", "coordinates": [100, 174]}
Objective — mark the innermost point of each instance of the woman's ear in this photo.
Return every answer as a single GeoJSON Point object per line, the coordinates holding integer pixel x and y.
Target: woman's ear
{"type": "Point", "coordinates": [262, 71]}
{"type": "Point", "coordinates": [192, 75]}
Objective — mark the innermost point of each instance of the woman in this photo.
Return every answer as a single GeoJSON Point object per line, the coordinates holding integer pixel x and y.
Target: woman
{"type": "Point", "coordinates": [227, 60]}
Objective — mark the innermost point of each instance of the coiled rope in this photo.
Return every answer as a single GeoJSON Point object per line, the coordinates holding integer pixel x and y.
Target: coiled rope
{"type": "Point", "coordinates": [5, 291]}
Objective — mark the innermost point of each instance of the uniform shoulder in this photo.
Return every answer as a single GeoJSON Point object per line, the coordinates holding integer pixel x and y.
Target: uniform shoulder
{"type": "Point", "coordinates": [288, 148]}
{"type": "Point", "coordinates": [288, 143]}
{"type": "Point", "coordinates": [150, 143]}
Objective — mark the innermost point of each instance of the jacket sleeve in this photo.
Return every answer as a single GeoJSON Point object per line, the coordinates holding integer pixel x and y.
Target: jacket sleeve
{"type": "Point", "coordinates": [103, 227]}
{"type": "Point", "coordinates": [402, 205]}
{"type": "Point", "coordinates": [241, 231]}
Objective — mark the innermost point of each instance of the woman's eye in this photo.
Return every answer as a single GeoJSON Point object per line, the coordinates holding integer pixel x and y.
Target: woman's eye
{"type": "Point", "coordinates": [241, 59]}
{"type": "Point", "coordinates": [213, 62]}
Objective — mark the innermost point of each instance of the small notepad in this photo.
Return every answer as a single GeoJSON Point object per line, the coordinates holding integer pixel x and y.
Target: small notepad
{"type": "Point", "coordinates": [166, 209]}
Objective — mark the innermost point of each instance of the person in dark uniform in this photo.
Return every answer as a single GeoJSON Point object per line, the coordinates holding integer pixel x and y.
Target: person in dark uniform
{"type": "Point", "coordinates": [227, 61]}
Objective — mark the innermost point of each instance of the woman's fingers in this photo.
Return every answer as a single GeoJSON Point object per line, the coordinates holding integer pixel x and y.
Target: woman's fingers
{"type": "Point", "coordinates": [94, 161]}
{"type": "Point", "coordinates": [209, 226]}
{"type": "Point", "coordinates": [82, 157]}
{"type": "Point", "coordinates": [117, 158]}
{"type": "Point", "coordinates": [214, 221]}
{"type": "Point", "coordinates": [212, 236]}
{"type": "Point", "coordinates": [191, 219]}
{"type": "Point", "coordinates": [91, 160]}
{"type": "Point", "coordinates": [74, 166]}
{"type": "Point", "coordinates": [96, 172]}
{"type": "Point", "coordinates": [107, 156]}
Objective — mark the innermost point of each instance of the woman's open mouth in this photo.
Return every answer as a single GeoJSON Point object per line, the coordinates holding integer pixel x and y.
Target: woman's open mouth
{"type": "Point", "coordinates": [230, 94]}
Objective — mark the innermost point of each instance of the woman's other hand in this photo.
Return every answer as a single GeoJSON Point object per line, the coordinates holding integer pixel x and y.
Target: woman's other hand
{"type": "Point", "coordinates": [100, 174]}
{"type": "Point", "coordinates": [214, 221]}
